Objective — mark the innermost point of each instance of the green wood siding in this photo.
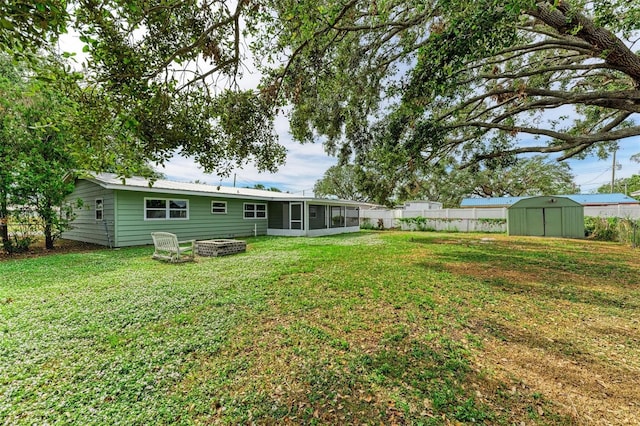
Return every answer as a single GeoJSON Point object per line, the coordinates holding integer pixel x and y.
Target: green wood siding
{"type": "Point", "coordinates": [85, 227]}
{"type": "Point", "coordinates": [133, 229]}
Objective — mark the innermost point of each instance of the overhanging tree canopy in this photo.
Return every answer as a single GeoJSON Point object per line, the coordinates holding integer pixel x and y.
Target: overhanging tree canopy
{"type": "Point", "coordinates": [166, 71]}
{"type": "Point", "coordinates": [471, 80]}
{"type": "Point", "coordinates": [474, 80]}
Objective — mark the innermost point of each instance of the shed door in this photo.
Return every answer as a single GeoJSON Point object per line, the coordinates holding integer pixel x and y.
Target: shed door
{"type": "Point", "coordinates": [535, 222]}
{"type": "Point", "coordinates": [553, 222]}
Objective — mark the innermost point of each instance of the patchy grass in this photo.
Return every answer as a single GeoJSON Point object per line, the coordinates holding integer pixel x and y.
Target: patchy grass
{"type": "Point", "coordinates": [404, 328]}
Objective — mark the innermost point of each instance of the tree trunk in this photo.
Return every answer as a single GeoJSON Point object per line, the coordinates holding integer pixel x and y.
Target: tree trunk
{"type": "Point", "coordinates": [4, 232]}
{"type": "Point", "coordinates": [48, 236]}
{"type": "Point", "coordinates": [4, 222]}
{"type": "Point", "coordinates": [47, 214]}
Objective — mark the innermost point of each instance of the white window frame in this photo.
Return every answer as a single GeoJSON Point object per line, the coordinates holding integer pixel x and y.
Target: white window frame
{"type": "Point", "coordinates": [167, 209]}
{"type": "Point", "coordinates": [224, 203]}
{"type": "Point", "coordinates": [98, 207]}
{"type": "Point", "coordinates": [254, 211]}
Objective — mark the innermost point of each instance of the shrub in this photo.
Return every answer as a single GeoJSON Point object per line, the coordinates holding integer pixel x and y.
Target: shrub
{"type": "Point", "coordinates": [365, 223]}
{"type": "Point", "coordinates": [23, 231]}
{"type": "Point", "coordinates": [418, 223]}
{"type": "Point", "coordinates": [622, 230]}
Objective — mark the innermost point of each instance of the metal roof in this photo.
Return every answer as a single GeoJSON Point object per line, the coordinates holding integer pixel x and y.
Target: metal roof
{"type": "Point", "coordinates": [584, 199]}
{"type": "Point", "coordinates": [489, 202]}
{"type": "Point", "coordinates": [139, 184]}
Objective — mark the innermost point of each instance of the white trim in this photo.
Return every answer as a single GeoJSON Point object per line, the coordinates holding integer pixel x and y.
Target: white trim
{"type": "Point", "coordinates": [311, 233]}
{"type": "Point", "coordinates": [254, 211]}
{"type": "Point", "coordinates": [101, 209]}
{"type": "Point", "coordinates": [327, 217]}
{"type": "Point", "coordinates": [332, 231]}
{"type": "Point", "coordinates": [219, 202]}
{"type": "Point", "coordinates": [111, 181]}
{"type": "Point", "coordinates": [286, 232]}
{"type": "Point", "coordinates": [305, 210]}
{"type": "Point", "coordinates": [167, 209]}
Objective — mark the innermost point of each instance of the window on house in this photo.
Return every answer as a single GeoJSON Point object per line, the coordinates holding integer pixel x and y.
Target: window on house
{"type": "Point", "coordinates": [255, 211]}
{"type": "Point", "coordinates": [99, 209]}
{"type": "Point", "coordinates": [218, 207]}
{"type": "Point", "coordinates": [159, 208]}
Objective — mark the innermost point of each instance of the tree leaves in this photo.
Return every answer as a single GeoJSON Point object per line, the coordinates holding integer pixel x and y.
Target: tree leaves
{"type": "Point", "coordinates": [35, 136]}
{"type": "Point", "coordinates": [468, 81]}
{"type": "Point", "coordinates": [26, 26]}
{"type": "Point", "coordinates": [464, 81]}
{"type": "Point", "coordinates": [341, 181]}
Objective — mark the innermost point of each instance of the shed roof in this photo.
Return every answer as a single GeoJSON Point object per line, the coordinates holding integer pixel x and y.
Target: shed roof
{"type": "Point", "coordinates": [584, 199]}
{"type": "Point", "coordinates": [546, 201]}
{"type": "Point", "coordinates": [140, 184]}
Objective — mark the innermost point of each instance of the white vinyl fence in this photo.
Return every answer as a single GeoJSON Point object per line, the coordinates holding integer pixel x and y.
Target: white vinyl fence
{"type": "Point", "coordinates": [463, 220]}
{"type": "Point", "coordinates": [380, 218]}
{"type": "Point", "coordinates": [460, 220]}
{"type": "Point", "coordinates": [622, 211]}
{"type": "Point", "coordinates": [471, 220]}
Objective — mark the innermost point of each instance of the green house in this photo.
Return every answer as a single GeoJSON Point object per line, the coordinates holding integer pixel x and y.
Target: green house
{"type": "Point", "coordinates": [546, 216]}
{"type": "Point", "coordinates": [119, 213]}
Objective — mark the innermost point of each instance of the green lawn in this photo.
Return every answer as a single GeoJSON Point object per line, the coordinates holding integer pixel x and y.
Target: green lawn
{"type": "Point", "coordinates": [404, 328]}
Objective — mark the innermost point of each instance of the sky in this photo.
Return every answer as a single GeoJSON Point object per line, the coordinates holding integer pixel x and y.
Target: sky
{"type": "Point", "coordinates": [307, 163]}
{"type": "Point", "coordinates": [592, 173]}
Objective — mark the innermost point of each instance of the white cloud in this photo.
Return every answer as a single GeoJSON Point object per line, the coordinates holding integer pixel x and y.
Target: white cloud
{"type": "Point", "coordinates": [304, 165]}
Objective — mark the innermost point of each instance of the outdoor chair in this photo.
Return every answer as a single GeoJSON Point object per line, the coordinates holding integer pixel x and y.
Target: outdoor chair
{"type": "Point", "coordinates": [167, 247]}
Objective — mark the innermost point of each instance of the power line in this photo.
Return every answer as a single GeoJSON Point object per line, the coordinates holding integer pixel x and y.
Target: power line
{"type": "Point", "coordinates": [597, 177]}
{"type": "Point", "coordinates": [286, 188]}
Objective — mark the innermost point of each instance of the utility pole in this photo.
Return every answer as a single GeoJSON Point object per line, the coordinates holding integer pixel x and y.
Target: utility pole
{"type": "Point", "coordinates": [234, 180]}
{"type": "Point", "coordinates": [613, 171]}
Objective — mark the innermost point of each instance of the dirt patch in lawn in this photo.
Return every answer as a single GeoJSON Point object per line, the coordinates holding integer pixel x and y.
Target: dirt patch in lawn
{"type": "Point", "coordinates": [591, 392]}
{"type": "Point", "coordinates": [38, 249]}
{"type": "Point", "coordinates": [573, 337]}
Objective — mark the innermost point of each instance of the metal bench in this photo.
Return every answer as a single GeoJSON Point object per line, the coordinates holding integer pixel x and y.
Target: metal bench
{"type": "Point", "coordinates": [167, 247]}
